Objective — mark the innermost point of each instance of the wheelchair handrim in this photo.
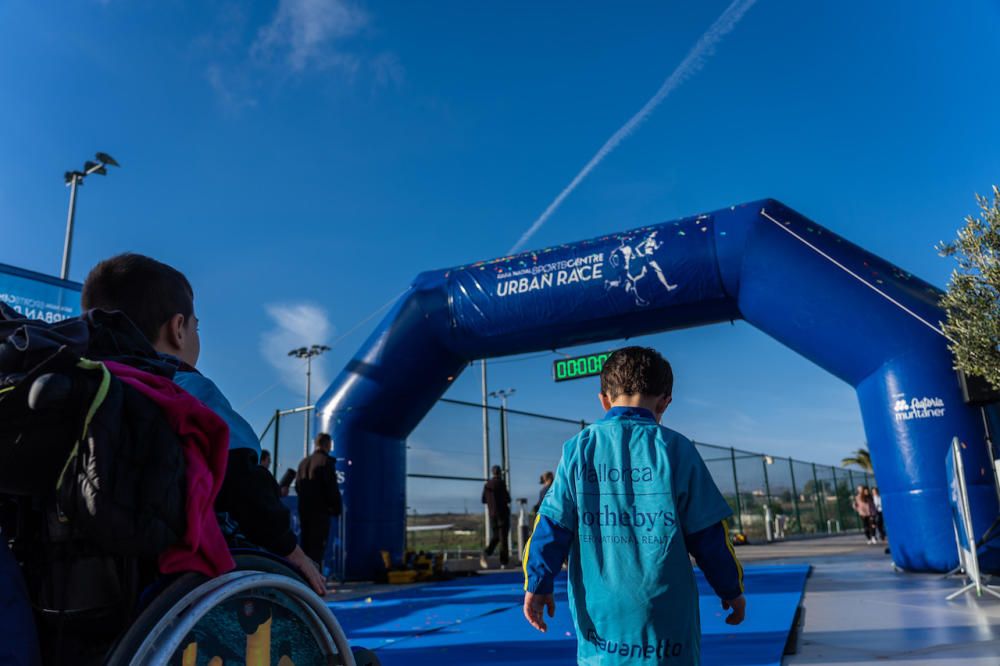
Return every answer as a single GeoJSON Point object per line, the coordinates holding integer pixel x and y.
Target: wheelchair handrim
{"type": "Point", "coordinates": [186, 613]}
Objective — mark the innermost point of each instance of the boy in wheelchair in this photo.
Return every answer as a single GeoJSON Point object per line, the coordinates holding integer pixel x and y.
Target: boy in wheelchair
{"type": "Point", "coordinates": [117, 558]}
{"type": "Point", "coordinates": [159, 300]}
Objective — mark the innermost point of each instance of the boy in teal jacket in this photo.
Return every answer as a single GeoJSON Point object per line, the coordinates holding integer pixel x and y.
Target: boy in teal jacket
{"type": "Point", "coordinates": [630, 502]}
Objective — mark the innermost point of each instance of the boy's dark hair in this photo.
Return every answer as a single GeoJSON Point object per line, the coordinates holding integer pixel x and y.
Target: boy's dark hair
{"type": "Point", "coordinates": [632, 370]}
{"type": "Point", "coordinates": [324, 441]}
{"type": "Point", "coordinates": [147, 291]}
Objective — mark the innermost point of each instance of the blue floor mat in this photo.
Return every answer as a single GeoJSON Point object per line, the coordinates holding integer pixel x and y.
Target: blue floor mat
{"type": "Point", "coordinates": [478, 621]}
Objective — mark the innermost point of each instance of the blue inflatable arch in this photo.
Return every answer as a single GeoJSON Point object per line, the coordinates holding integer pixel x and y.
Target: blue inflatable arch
{"type": "Point", "coordinates": [864, 320]}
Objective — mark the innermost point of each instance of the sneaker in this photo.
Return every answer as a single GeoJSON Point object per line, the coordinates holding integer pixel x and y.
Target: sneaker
{"type": "Point", "coordinates": [483, 564]}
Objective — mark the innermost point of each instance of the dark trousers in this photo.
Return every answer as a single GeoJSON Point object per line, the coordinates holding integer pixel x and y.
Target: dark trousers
{"type": "Point", "coordinates": [315, 529]}
{"type": "Point", "coordinates": [880, 524]}
{"type": "Point", "coordinates": [869, 523]}
{"type": "Point", "coordinates": [500, 534]}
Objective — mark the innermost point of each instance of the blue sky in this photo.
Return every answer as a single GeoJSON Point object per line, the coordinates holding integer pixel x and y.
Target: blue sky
{"type": "Point", "coordinates": [302, 160]}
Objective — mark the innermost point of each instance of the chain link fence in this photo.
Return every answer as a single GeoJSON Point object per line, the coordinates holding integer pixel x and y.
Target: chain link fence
{"type": "Point", "coordinates": [772, 497]}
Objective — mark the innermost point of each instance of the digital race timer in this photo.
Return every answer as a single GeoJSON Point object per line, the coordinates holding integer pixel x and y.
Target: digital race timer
{"type": "Point", "coordinates": [580, 366]}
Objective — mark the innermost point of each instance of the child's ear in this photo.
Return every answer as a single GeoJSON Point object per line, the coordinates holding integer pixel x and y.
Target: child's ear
{"type": "Point", "coordinates": [605, 401]}
{"type": "Point", "coordinates": [662, 403]}
{"type": "Point", "coordinates": [172, 333]}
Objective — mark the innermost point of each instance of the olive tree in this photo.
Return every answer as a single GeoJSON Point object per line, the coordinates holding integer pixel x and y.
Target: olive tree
{"type": "Point", "coordinates": [973, 297]}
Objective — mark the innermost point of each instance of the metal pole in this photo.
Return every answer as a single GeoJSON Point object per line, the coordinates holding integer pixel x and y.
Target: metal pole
{"type": "Point", "coordinates": [850, 480]}
{"type": "Point", "coordinates": [767, 483]}
{"type": "Point", "coordinates": [505, 442]}
{"type": "Point", "coordinates": [486, 457]}
{"type": "Point", "coordinates": [736, 487]}
{"type": "Point", "coordinates": [277, 425]}
{"type": "Point", "coordinates": [68, 243]}
{"type": "Point", "coordinates": [767, 507]}
{"type": "Point", "coordinates": [308, 398]}
{"type": "Point", "coordinates": [795, 497]}
{"type": "Point", "coordinates": [836, 496]}
{"type": "Point", "coordinates": [819, 497]}
{"type": "Point", "coordinates": [990, 449]}
{"type": "Point", "coordinates": [505, 451]}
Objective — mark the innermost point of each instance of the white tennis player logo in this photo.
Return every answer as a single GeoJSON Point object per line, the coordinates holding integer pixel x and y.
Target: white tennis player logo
{"type": "Point", "coordinates": [634, 264]}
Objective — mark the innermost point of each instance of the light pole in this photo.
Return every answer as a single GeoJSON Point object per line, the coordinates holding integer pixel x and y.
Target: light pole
{"type": "Point", "coordinates": [503, 394]}
{"type": "Point", "coordinates": [74, 179]}
{"type": "Point", "coordinates": [308, 353]}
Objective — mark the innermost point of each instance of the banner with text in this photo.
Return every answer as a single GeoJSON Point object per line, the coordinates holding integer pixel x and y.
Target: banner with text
{"type": "Point", "coordinates": [644, 269]}
{"type": "Point", "coordinates": [39, 296]}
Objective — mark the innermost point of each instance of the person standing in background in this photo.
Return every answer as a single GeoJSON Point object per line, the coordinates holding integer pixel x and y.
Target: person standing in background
{"type": "Point", "coordinates": [319, 497]}
{"type": "Point", "coordinates": [546, 481]}
{"type": "Point", "coordinates": [865, 508]}
{"type": "Point", "coordinates": [879, 521]}
{"type": "Point", "coordinates": [497, 500]}
{"type": "Point", "coordinates": [265, 460]}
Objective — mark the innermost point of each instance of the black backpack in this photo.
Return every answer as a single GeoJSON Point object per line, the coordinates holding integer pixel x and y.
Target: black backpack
{"type": "Point", "coordinates": [73, 435]}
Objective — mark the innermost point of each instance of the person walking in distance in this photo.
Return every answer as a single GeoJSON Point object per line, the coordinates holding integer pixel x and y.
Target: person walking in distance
{"type": "Point", "coordinates": [497, 500]}
{"type": "Point", "coordinates": [319, 497]}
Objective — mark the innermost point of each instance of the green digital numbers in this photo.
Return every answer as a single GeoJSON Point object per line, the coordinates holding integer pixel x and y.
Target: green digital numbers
{"type": "Point", "coordinates": [578, 367]}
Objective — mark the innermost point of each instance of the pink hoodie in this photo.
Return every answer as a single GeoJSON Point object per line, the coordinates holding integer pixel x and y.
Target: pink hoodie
{"type": "Point", "coordinates": [205, 440]}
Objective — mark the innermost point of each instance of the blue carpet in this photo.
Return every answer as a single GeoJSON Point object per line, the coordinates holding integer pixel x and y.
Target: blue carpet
{"type": "Point", "coordinates": [478, 621]}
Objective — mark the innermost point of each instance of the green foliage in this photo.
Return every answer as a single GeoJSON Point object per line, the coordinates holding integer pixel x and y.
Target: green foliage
{"type": "Point", "coordinates": [973, 297]}
{"type": "Point", "coordinates": [861, 458]}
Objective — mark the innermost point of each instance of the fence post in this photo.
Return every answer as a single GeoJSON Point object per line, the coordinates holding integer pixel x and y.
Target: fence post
{"type": "Point", "coordinates": [767, 483]}
{"type": "Point", "coordinates": [274, 459]}
{"type": "Point", "coordinates": [795, 497]}
{"type": "Point", "coordinates": [768, 525]}
{"type": "Point", "coordinates": [836, 495]}
{"type": "Point", "coordinates": [504, 462]}
{"type": "Point", "coordinates": [819, 498]}
{"type": "Point", "coordinates": [857, 518]}
{"type": "Point", "coordinates": [736, 487]}
{"type": "Point", "coordinates": [486, 454]}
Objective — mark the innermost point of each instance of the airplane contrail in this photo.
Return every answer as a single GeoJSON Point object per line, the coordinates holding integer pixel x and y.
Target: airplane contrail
{"type": "Point", "coordinates": [691, 64]}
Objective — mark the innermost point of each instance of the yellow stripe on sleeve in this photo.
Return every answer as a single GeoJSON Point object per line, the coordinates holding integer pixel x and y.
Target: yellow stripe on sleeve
{"type": "Point", "coordinates": [527, 549]}
{"type": "Point", "coordinates": [732, 551]}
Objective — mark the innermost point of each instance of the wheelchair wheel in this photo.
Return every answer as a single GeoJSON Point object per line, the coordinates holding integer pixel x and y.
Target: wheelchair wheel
{"type": "Point", "coordinates": [244, 616]}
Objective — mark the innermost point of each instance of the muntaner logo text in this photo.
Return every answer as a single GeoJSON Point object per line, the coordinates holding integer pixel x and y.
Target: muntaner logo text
{"type": "Point", "coordinates": [917, 408]}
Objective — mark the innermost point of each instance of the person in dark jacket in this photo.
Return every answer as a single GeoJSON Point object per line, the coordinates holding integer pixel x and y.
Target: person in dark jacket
{"type": "Point", "coordinates": [319, 497]}
{"type": "Point", "coordinates": [497, 500]}
{"type": "Point", "coordinates": [545, 480]}
{"type": "Point", "coordinates": [159, 301]}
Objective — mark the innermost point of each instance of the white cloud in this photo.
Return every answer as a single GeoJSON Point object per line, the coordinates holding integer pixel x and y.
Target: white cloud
{"type": "Point", "coordinates": [296, 325]}
{"type": "Point", "coordinates": [306, 32]}
{"type": "Point", "coordinates": [229, 89]}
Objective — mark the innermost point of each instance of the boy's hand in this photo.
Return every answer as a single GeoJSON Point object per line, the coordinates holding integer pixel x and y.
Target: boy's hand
{"type": "Point", "coordinates": [739, 608]}
{"type": "Point", "coordinates": [533, 607]}
{"type": "Point", "coordinates": [308, 569]}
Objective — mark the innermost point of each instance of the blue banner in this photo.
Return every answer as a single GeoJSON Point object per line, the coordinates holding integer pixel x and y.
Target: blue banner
{"type": "Point", "coordinates": [39, 296]}
{"type": "Point", "coordinates": [650, 268]}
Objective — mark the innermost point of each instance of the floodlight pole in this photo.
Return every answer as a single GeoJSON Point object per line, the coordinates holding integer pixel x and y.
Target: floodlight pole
{"type": "Point", "coordinates": [307, 353]}
{"type": "Point", "coordinates": [503, 394]}
{"type": "Point", "coordinates": [75, 179]}
{"type": "Point", "coordinates": [486, 455]}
